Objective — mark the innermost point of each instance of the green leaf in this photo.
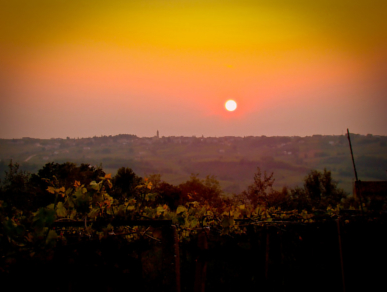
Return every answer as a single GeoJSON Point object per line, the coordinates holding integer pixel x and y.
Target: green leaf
{"type": "Point", "coordinates": [194, 204]}
{"type": "Point", "coordinates": [150, 197]}
{"type": "Point", "coordinates": [112, 210]}
{"type": "Point", "coordinates": [121, 210]}
{"type": "Point", "coordinates": [82, 203]}
{"type": "Point", "coordinates": [194, 222]}
{"type": "Point", "coordinates": [68, 191]}
{"type": "Point", "coordinates": [227, 221]}
{"type": "Point", "coordinates": [52, 236]}
{"type": "Point", "coordinates": [181, 209]}
{"type": "Point", "coordinates": [180, 220]}
{"type": "Point", "coordinates": [9, 226]}
{"type": "Point", "coordinates": [94, 212]}
{"type": "Point", "coordinates": [73, 214]}
{"type": "Point", "coordinates": [79, 192]}
{"type": "Point", "coordinates": [109, 198]}
{"type": "Point", "coordinates": [259, 211]}
{"type": "Point", "coordinates": [44, 217]}
{"type": "Point", "coordinates": [61, 210]}
{"type": "Point", "coordinates": [69, 202]}
{"type": "Point", "coordinates": [160, 210]}
{"type": "Point", "coordinates": [94, 185]}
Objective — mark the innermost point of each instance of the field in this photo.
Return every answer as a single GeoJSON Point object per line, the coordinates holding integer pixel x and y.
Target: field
{"type": "Point", "coordinates": [232, 160]}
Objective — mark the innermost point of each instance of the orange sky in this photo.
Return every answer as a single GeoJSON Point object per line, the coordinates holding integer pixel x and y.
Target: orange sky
{"type": "Point", "coordinates": [82, 68]}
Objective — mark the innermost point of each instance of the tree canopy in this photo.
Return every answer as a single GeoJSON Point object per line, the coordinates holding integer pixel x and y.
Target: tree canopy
{"type": "Point", "coordinates": [28, 191]}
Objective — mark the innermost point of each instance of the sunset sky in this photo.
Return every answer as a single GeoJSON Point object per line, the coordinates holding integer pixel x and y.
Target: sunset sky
{"type": "Point", "coordinates": [89, 68]}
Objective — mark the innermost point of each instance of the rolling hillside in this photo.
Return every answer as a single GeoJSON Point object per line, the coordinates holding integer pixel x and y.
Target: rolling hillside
{"type": "Point", "coordinates": [232, 160]}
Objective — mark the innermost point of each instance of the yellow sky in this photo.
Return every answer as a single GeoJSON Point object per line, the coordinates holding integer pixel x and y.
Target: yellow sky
{"type": "Point", "coordinates": [109, 67]}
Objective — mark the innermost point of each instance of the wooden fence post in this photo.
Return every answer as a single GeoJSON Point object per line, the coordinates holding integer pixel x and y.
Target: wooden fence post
{"type": "Point", "coordinates": [341, 254]}
{"type": "Point", "coordinates": [201, 263]}
{"type": "Point", "coordinates": [177, 258]}
{"type": "Point", "coordinates": [267, 253]}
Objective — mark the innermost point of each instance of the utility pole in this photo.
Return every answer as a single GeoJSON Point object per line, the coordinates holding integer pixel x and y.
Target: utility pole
{"type": "Point", "coordinates": [354, 168]}
{"type": "Point", "coordinates": [353, 160]}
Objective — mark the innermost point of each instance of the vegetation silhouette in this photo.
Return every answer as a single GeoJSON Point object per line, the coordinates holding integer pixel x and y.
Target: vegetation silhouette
{"type": "Point", "coordinates": [109, 216]}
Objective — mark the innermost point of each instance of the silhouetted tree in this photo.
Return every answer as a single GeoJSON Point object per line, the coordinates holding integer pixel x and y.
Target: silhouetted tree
{"type": "Point", "coordinates": [319, 191]}
{"type": "Point", "coordinates": [155, 179]}
{"type": "Point", "coordinates": [66, 174]}
{"type": "Point", "coordinates": [280, 199]}
{"type": "Point", "coordinates": [16, 191]}
{"type": "Point", "coordinates": [206, 190]}
{"type": "Point", "coordinates": [125, 183]}
{"type": "Point", "coordinates": [170, 195]}
{"type": "Point", "coordinates": [259, 192]}
{"type": "Point", "coordinates": [61, 175]}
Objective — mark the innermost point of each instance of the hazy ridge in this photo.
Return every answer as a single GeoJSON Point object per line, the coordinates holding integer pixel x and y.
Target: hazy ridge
{"type": "Point", "coordinates": [232, 160]}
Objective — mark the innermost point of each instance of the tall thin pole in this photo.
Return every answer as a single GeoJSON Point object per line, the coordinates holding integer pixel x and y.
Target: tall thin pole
{"type": "Point", "coordinates": [354, 168]}
{"type": "Point", "coordinates": [353, 160]}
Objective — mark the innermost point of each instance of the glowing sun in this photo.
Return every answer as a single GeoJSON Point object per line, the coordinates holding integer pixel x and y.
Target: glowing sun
{"type": "Point", "coordinates": [230, 105]}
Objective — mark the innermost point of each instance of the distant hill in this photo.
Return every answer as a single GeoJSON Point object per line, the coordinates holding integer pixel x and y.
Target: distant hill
{"type": "Point", "coordinates": [232, 160]}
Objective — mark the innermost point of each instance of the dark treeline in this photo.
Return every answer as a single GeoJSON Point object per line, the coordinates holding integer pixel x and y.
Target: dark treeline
{"type": "Point", "coordinates": [25, 191]}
